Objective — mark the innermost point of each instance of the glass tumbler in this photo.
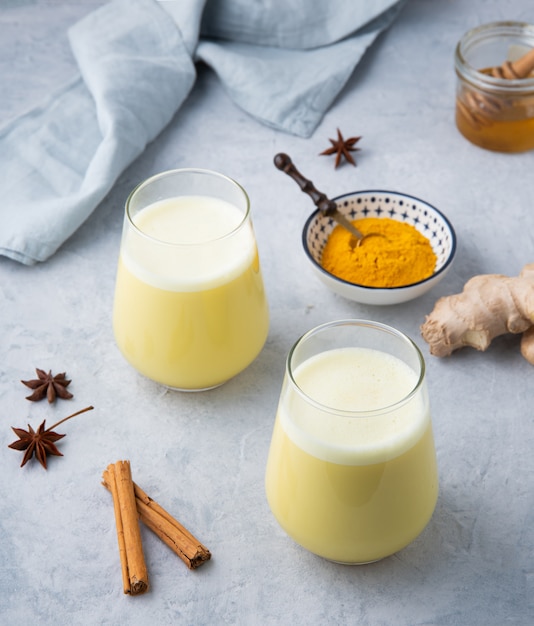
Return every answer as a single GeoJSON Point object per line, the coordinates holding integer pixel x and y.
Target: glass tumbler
{"type": "Point", "coordinates": [190, 309]}
{"type": "Point", "coordinates": [351, 473]}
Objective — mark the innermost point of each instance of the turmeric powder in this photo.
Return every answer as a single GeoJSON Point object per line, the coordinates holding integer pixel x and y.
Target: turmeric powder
{"type": "Point", "coordinates": [396, 254]}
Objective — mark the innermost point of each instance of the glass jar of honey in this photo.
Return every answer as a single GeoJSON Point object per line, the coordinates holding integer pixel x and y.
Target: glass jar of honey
{"type": "Point", "coordinates": [495, 101]}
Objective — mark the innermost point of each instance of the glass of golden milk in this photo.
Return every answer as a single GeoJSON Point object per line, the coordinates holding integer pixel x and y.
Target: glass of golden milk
{"type": "Point", "coordinates": [190, 308]}
{"type": "Point", "coordinates": [352, 474]}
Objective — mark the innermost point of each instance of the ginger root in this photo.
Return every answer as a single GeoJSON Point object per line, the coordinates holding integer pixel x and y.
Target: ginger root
{"type": "Point", "coordinates": [489, 305]}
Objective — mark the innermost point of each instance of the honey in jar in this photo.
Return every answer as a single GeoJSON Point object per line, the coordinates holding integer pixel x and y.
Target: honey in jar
{"type": "Point", "coordinates": [492, 112]}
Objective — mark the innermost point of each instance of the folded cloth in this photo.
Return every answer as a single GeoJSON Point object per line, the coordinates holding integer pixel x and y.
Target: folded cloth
{"type": "Point", "coordinates": [282, 61]}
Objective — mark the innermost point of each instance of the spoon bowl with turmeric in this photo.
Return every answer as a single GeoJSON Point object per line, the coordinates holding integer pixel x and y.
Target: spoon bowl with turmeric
{"type": "Point", "coordinates": [326, 206]}
{"type": "Point", "coordinates": [412, 247]}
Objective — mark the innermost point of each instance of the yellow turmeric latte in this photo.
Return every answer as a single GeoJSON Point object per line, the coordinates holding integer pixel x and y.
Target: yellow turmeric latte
{"type": "Point", "coordinates": [396, 254]}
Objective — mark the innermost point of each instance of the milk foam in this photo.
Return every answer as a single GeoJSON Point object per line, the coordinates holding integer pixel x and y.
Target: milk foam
{"type": "Point", "coordinates": [194, 243]}
{"type": "Point", "coordinates": [353, 381]}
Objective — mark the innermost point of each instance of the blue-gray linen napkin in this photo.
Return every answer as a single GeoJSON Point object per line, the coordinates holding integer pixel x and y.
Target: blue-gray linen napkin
{"type": "Point", "coordinates": [282, 61]}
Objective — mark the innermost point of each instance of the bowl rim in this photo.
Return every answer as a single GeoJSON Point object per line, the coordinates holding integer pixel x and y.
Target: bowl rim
{"type": "Point", "coordinates": [365, 287]}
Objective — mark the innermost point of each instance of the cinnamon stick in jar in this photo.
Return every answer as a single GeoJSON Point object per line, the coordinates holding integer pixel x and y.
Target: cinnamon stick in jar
{"type": "Point", "coordinates": [118, 479]}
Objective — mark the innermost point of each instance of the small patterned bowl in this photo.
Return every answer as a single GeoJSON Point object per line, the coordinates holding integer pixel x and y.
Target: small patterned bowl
{"type": "Point", "coordinates": [398, 206]}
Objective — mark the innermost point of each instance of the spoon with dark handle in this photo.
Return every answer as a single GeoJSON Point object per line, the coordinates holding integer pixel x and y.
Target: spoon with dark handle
{"type": "Point", "coordinates": [327, 207]}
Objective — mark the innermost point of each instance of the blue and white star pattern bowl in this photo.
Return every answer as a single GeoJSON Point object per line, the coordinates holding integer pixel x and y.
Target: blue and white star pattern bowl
{"type": "Point", "coordinates": [391, 204]}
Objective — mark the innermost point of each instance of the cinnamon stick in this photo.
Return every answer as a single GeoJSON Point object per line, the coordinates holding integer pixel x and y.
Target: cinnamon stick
{"type": "Point", "coordinates": [118, 479]}
{"type": "Point", "coordinates": [192, 552]}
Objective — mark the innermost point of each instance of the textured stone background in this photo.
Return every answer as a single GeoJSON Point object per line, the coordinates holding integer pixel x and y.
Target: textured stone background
{"type": "Point", "coordinates": [202, 456]}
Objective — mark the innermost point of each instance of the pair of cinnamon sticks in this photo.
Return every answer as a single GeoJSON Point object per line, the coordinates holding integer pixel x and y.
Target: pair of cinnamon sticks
{"type": "Point", "coordinates": [132, 504]}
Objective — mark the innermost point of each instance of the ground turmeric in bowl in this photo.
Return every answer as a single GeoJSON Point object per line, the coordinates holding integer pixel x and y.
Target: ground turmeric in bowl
{"type": "Point", "coordinates": [396, 254]}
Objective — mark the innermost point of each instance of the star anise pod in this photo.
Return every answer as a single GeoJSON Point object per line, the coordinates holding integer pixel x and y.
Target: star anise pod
{"type": "Point", "coordinates": [41, 442]}
{"type": "Point", "coordinates": [342, 148]}
{"type": "Point", "coordinates": [48, 385]}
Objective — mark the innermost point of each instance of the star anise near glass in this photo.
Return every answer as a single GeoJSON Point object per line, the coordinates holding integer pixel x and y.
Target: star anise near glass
{"type": "Point", "coordinates": [46, 385]}
{"type": "Point", "coordinates": [41, 441]}
{"type": "Point", "coordinates": [342, 148]}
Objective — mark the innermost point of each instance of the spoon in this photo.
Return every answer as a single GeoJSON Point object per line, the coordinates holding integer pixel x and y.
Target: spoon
{"type": "Point", "coordinates": [326, 207]}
